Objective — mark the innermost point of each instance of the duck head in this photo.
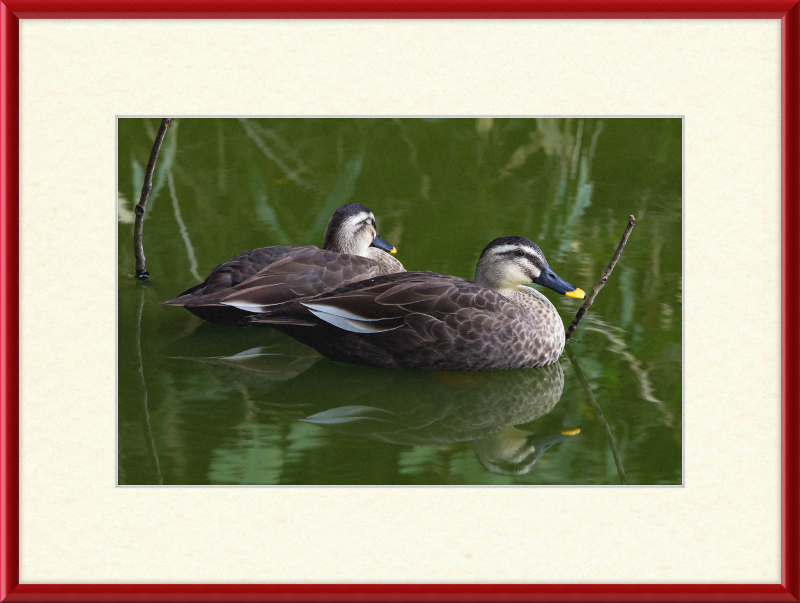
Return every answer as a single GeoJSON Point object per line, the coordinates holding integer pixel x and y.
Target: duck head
{"type": "Point", "coordinates": [510, 262]}
{"type": "Point", "coordinates": [352, 230]}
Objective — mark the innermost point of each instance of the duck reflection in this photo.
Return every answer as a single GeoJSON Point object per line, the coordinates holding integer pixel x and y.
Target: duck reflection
{"type": "Point", "coordinates": [408, 408]}
{"type": "Point", "coordinates": [421, 408]}
{"type": "Point", "coordinates": [514, 451]}
{"type": "Point", "coordinates": [252, 357]}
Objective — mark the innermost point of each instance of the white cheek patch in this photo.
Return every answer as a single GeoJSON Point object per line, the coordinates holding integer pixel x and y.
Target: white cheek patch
{"type": "Point", "coordinates": [513, 276]}
{"type": "Point", "coordinates": [354, 235]}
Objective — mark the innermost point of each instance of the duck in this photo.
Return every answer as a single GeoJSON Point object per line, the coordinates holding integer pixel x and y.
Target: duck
{"type": "Point", "coordinates": [431, 321]}
{"type": "Point", "coordinates": [351, 250]}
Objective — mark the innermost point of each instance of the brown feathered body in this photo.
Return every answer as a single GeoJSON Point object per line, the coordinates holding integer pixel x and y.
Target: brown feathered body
{"type": "Point", "coordinates": [272, 275]}
{"type": "Point", "coordinates": [425, 320]}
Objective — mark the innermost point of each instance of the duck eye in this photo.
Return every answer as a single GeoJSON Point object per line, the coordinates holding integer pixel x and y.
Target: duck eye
{"type": "Point", "coordinates": [519, 253]}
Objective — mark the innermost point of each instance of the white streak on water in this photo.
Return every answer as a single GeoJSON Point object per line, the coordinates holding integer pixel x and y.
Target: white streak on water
{"type": "Point", "coordinates": [184, 231]}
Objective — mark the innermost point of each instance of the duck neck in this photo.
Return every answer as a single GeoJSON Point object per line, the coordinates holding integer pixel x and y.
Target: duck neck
{"type": "Point", "coordinates": [341, 244]}
{"type": "Point", "coordinates": [388, 263]}
{"type": "Point", "coordinates": [524, 296]}
{"type": "Point", "coordinates": [532, 301]}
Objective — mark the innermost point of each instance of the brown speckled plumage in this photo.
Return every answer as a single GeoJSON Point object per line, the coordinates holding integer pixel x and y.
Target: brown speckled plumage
{"type": "Point", "coordinates": [272, 275]}
{"type": "Point", "coordinates": [424, 320]}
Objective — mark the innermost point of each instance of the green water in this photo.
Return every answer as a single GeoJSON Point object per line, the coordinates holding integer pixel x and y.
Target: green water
{"type": "Point", "coordinates": [200, 404]}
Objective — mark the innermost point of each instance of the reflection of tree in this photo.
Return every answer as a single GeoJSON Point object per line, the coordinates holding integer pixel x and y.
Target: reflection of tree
{"type": "Point", "coordinates": [257, 134]}
{"type": "Point", "coordinates": [176, 206]}
{"type": "Point", "coordinates": [143, 388]}
{"type": "Point", "coordinates": [618, 346]}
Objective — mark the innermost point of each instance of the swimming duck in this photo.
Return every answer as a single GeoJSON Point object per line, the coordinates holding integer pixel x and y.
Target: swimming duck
{"type": "Point", "coordinates": [424, 320]}
{"type": "Point", "coordinates": [351, 250]}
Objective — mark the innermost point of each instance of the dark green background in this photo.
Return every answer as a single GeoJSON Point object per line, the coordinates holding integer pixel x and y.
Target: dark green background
{"type": "Point", "coordinates": [440, 189]}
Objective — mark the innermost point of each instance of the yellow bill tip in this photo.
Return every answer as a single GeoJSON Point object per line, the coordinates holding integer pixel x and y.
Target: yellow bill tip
{"type": "Point", "coordinates": [577, 294]}
{"type": "Point", "coordinates": [394, 250]}
{"type": "Point", "coordinates": [571, 432]}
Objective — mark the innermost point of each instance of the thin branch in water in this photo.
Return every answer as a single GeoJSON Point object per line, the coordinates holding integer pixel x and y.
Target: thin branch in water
{"type": "Point", "coordinates": [603, 278]}
{"type": "Point", "coordinates": [598, 413]}
{"type": "Point", "coordinates": [144, 390]}
{"type": "Point", "coordinates": [138, 250]}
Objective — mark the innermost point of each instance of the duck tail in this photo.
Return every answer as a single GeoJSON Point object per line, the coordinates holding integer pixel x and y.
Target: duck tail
{"type": "Point", "coordinates": [184, 297]}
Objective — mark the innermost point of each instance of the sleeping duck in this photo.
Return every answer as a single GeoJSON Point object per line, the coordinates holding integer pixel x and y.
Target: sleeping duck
{"type": "Point", "coordinates": [424, 320]}
{"type": "Point", "coordinates": [352, 250]}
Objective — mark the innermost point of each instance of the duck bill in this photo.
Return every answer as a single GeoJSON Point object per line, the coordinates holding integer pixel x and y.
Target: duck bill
{"type": "Point", "coordinates": [541, 444]}
{"type": "Point", "coordinates": [551, 280]}
{"type": "Point", "coordinates": [381, 244]}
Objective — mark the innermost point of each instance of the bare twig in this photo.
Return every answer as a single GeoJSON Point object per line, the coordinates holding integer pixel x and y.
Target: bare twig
{"type": "Point", "coordinates": [141, 272]}
{"type": "Point", "coordinates": [598, 413]}
{"type": "Point", "coordinates": [596, 289]}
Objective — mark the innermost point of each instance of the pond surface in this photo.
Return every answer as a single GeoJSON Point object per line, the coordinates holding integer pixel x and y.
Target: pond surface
{"type": "Point", "coordinates": [202, 404]}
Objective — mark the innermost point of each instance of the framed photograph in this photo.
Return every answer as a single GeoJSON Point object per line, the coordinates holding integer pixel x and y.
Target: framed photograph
{"type": "Point", "coordinates": [442, 415]}
{"type": "Point", "coordinates": [409, 188]}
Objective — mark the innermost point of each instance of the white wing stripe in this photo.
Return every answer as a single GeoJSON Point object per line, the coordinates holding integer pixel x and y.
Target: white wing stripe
{"type": "Point", "coordinates": [346, 324]}
{"type": "Point", "coordinates": [339, 312]}
{"type": "Point", "coordinates": [246, 306]}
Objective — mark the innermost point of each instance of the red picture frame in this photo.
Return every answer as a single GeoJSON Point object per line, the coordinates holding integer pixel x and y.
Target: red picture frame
{"type": "Point", "coordinates": [10, 13]}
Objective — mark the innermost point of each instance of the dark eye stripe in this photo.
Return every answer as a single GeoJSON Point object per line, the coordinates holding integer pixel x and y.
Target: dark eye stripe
{"type": "Point", "coordinates": [528, 256]}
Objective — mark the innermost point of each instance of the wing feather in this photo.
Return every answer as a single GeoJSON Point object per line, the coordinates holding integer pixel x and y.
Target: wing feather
{"type": "Point", "coordinates": [305, 273]}
{"type": "Point", "coordinates": [357, 326]}
{"type": "Point", "coordinates": [424, 295]}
